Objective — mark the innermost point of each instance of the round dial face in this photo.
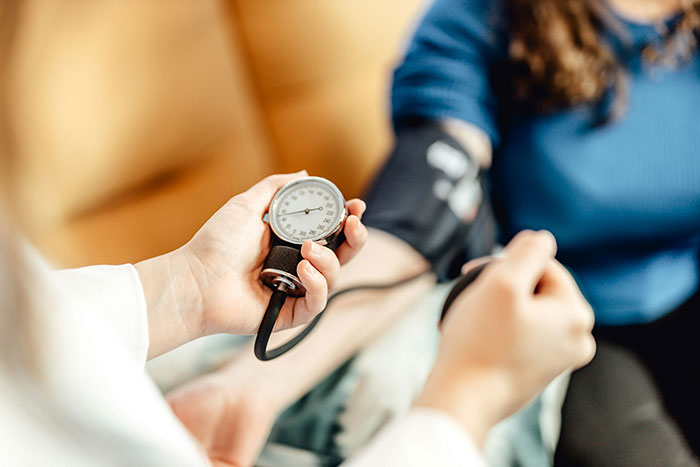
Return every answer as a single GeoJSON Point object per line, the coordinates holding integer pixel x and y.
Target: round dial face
{"type": "Point", "coordinates": [310, 208]}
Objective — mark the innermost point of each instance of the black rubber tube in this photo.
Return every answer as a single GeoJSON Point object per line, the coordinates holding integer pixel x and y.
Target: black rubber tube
{"type": "Point", "coordinates": [267, 325]}
{"type": "Point", "coordinates": [462, 283]}
{"type": "Point", "coordinates": [277, 301]}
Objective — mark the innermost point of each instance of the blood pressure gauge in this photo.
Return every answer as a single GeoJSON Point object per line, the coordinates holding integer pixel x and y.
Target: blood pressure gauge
{"type": "Point", "coordinates": [309, 208]}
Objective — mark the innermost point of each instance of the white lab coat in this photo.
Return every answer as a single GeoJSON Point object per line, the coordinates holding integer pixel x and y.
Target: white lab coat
{"type": "Point", "coordinates": [97, 406]}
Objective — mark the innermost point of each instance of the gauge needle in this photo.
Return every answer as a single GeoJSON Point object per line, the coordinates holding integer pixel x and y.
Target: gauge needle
{"type": "Point", "coordinates": [305, 211]}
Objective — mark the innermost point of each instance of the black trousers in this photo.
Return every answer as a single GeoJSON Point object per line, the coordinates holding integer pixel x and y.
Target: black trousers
{"type": "Point", "coordinates": [637, 403]}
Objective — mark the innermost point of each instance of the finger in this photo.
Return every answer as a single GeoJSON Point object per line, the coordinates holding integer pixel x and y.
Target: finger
{"type": "Point", "coordinates": [474, 263]}
{"type": "Point", "coordinates": [556, 280]}
{"type": "Point", "coordinates": [314, 301]}
{"type": "Point", "coordinates": [527, 256]}
{"type": "Point", "coordinates": [322, 259]}
{"type": "Point", "coordinates": [587, 318]}
{"type": "Point", "coordinates": [558, 284]}
{"type": "Point", "coordinates": [355, 238]}
{"type": "Point", "coordinates": [356, 207]}
{"type": "Point", "coordinates": [588, 350]}
{"type": "Point", "coordinates": [258, 196]}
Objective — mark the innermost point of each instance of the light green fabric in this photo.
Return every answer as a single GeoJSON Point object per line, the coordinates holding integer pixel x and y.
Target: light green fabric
{"type": "Point", "coordinates": [344, 412]}
{"type": "Point", "coordinates": [348, 407]}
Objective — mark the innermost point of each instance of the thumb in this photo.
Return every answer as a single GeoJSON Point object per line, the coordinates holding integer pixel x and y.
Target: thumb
{"type": "Point", "coordinates": [556, 280]}
{"type": "Point", "coordinates": [527, 257]}
{"type": "Point", "coordinates": [258, 196]}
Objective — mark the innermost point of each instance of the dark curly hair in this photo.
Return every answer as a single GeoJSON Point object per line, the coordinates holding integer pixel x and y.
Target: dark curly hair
{"type": "Point", "coordinates": [558, 58]}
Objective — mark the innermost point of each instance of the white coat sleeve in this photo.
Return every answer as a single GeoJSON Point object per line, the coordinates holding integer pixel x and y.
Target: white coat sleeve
{"type": "Point", "coordinates": [423, 437]}
{"type": "Point", "coordinates": [113, 295]}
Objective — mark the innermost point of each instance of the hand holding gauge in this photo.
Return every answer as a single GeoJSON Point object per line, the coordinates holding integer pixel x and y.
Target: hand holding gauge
{"type": "Point", "coordinates": [309, 208]}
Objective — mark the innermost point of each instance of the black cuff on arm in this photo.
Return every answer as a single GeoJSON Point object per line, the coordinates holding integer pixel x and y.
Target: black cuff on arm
{"type": "Point", "coordinates": [431, 194]}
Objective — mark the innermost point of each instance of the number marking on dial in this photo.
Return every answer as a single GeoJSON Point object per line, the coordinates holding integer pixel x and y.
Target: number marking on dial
{"type": "Point", "coordinates": [308, 210]}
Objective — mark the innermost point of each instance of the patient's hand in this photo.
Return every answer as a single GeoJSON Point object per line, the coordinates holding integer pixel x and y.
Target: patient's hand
{"type": "Point", "coordinates": [211, 285]}
{"type": "Point", "coordinates": [518, 326]}
{"type": "Point", "coordinates": [227, 415]}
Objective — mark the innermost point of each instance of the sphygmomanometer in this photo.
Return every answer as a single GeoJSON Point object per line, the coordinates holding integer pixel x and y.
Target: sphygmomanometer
{"type": "Point", "coordinates": [433, 195]}
{"type": "Point", "coordinates": [430, 194]}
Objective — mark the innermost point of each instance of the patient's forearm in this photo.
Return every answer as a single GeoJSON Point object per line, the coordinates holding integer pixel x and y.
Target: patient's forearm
{"type": "Point", "coordinates": [350, 322]}
{"type": "Point", "coordinates": [358, 318]}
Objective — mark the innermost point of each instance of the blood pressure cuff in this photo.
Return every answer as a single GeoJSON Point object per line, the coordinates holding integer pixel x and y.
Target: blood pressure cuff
{"type": "Point", "coordinates": [433, 195]}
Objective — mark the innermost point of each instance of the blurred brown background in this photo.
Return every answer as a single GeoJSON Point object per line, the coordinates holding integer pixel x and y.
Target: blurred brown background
{"type": "Point", "coordinates": [138, 119]}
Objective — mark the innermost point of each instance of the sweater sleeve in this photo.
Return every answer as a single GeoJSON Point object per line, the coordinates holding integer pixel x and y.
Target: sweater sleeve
{"type": "Point", "coordinates": [447, 70]}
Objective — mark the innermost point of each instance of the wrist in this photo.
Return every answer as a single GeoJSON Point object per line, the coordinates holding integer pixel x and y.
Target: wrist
{"type": "Point", "coordinates": [173, 301]}
{"type": "Point", "coordinates": [187, 291]}
{"type": "Point", "coordinates": [478, 398]}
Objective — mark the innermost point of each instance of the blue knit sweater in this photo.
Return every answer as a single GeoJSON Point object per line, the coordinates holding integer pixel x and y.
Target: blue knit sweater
{"type": "Point", "coordinates": [623, 200]}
